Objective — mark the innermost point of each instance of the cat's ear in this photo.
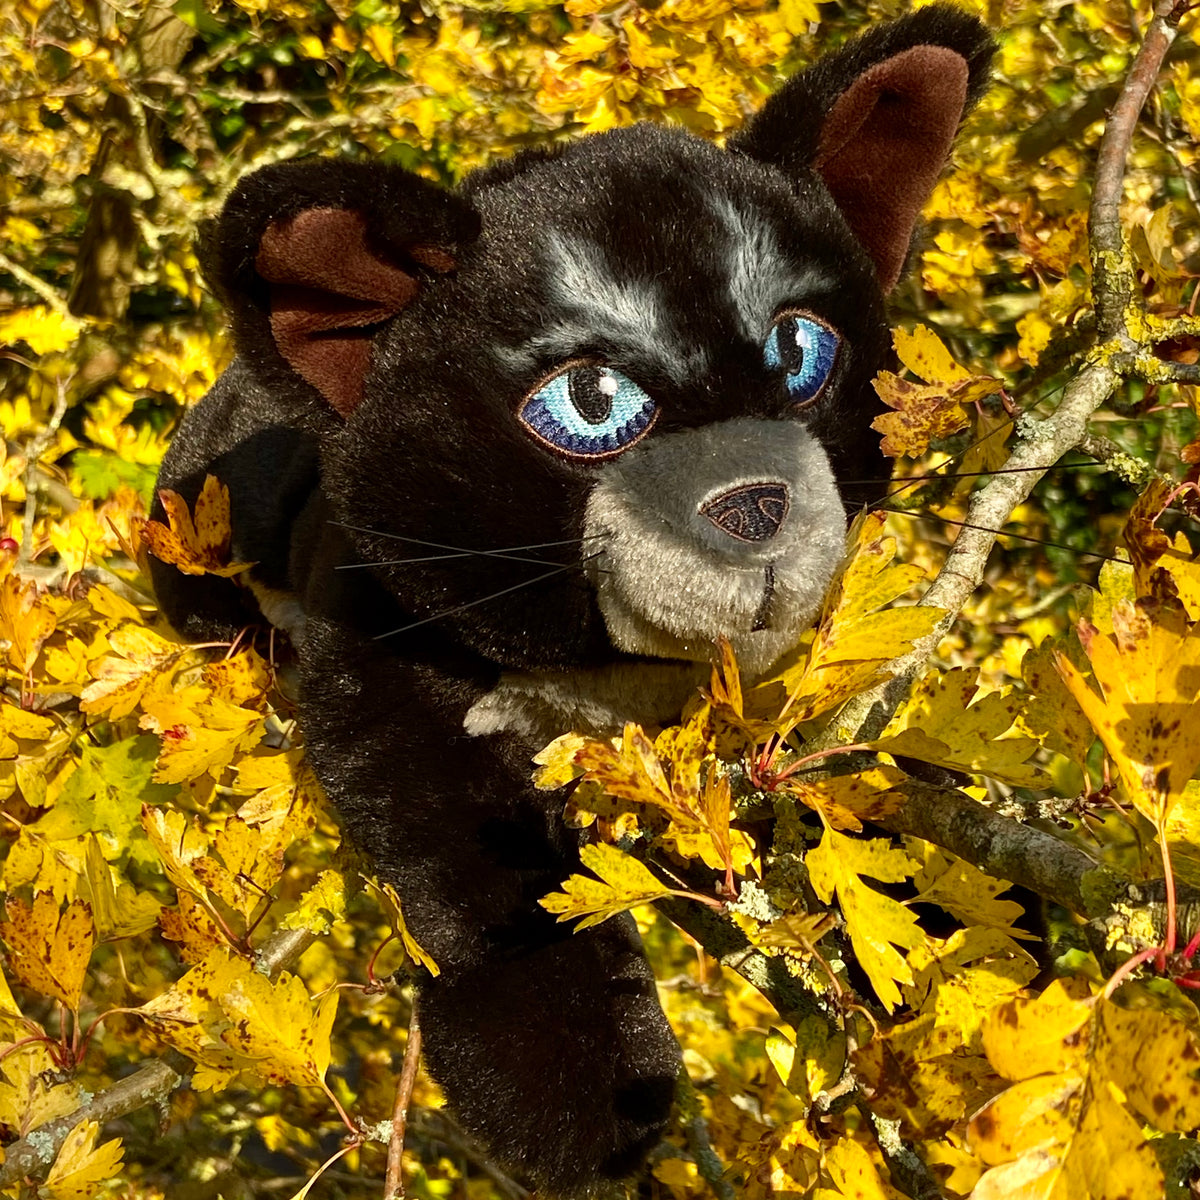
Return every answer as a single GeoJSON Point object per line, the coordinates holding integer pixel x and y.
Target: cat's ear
{"type": "Point", "coordinates": [875, 120]}
{"type": "Point", "coordinates": [311, 257]}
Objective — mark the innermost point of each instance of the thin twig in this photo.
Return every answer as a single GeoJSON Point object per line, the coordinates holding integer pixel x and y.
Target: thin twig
{"type": "Point", "coordinates": [393, 1186]}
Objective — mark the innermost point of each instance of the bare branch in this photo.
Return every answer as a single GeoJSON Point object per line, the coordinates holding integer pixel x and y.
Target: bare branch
{"type": "Point", "coordinates": [393, 1187]}
{"type": "Point", "coordinates": [1112, 275]}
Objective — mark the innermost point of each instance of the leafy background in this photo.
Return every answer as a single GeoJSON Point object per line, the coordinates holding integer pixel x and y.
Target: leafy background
{"type": "Point", "coordinates": [177, 900]}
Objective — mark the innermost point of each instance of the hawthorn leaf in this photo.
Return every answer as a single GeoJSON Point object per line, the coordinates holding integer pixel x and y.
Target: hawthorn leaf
{"type": "Point", "coordinates": [926, 356]}
{"type": "Point", "coordinates": [190, 924]}
{"type": "Point", "coordinates": [273, 1023]}
{"type": "Point", "coordinates": [623, 884]}
{"type": "Point", "coordinates": [921, 413]}
{"type": "Point", "coordinates": [846, 801]}
{"type": "Point", "coordinates": [876, 923]}
{"type": "Point", "coordinates": [50, 950]}
{"type": "Point", "coordinates": [854, 1174]}
{"type": "Point", "coordinates": [941, 725]}
{"type": "Point", "coordinates": [105, 794]}
{"type": "Point", "coordinates": [197, 543]}
{"type": "Point", "coordinates": [81, 1166]}
{"type": "Point", "coordinates": [1151, 549]}
{"type": "Point", "coordinates": [963, 978]}
{"type": "Point", "coordinates": [690, 817]}
{"type": "Point", "coordinates": [1062, 1143]}
{"type": "Point", "coordinates": [245, 864]}
{"type": "Point", "coordinates": [390, 900]}
{"type": "Point", "coordinates": [120, 910]}
{"type": "Point", "coordinates": [809, 1061]}
{"type": "Point", "coordinates": [1148, 712]}
{"type": "Point", "coordinates": [556, 762]}
{"type": "Point", "coordinates": [189, 1017]}
{"type": "Point", "coordinates": [239, 679]}
{"type": "Point", "coordinates": [1043, 1035]}
{"type": "Point", "coordinates": [201, 733]}
{"type": "Point", "coordinates": [933, 410]}
{"type": "Point", "coordinates": [27, 619]}
{"type": "Point", "coordinates": [31, 1091]}
{"type": "Point", "coordinates": [180, 846]}
{"type": "Point", "coordinates": [120, 679]}
{"type": "Point", "coordinates": [19, 723]}
{"type": "Point", "coordinates": [918, 1073]}
{"type": "Point", "coordinates": [1051, 712]}
{"type": "Point", "coordinates": [323, 904]}
{"type": "Point", "coordinates": [1153, 1058]}
{"type": "Point", "coordinates": [965, 891]}
{"type": "Point", "coordinates": [854, 641]}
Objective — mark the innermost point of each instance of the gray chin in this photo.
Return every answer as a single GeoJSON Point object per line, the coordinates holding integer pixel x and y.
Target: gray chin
{"type": "Point", "coordinates": [730, 530]}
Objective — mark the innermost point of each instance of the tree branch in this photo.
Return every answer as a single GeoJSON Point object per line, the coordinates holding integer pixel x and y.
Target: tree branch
{"type": "Point", "coordinates": [151, 1084]}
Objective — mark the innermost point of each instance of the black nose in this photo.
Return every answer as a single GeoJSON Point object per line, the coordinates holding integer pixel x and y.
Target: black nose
{"type": "Point", "coordinates": [750, 513]}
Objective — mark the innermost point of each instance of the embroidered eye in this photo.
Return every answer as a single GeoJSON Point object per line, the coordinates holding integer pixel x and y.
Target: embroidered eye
{"type": "Point", "coordinates": [588, 412]}
{"type": "Point", "coordinates": [805, 349]}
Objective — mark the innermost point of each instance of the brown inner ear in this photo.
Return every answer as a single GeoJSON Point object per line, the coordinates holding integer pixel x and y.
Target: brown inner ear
{"type": "Point", "coordinates": [884, 144]}
{"type": "Point", "coordinates": [328, 287]}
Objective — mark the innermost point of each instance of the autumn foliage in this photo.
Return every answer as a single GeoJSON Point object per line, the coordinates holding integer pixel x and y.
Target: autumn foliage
{"type": "Point", "coordinates": [202, 997]}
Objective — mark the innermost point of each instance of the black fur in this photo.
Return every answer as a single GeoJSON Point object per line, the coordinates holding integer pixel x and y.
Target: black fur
{"type": "Point", "coordinates": [627, 250]}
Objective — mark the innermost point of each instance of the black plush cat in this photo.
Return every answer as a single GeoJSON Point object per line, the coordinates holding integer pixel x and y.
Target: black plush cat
{"type": "Point", "coordinates": [509, 459]}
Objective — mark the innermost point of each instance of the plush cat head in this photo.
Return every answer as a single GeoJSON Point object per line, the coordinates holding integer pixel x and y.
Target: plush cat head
{"type": "Point", "coordinates": [631, 374]}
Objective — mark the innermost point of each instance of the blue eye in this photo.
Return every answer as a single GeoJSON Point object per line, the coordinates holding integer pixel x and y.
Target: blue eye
{"type": "Point", "coordinates": [588, 412]}
{"type": "Point", "coordinates": [805, 349]}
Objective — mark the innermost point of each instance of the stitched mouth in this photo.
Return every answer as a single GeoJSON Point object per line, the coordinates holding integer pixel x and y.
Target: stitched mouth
{"type": "Point", "coordinates": [763, 616]}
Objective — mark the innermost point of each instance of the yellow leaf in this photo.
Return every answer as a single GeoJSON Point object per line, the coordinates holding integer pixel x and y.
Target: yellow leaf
{"type": "Point", "coordinates": [877, 924]}
{"type": "Point", "coordinates": [941, 725]}
{"type": "Point", "coordinates": [44, 330]}
{"type": "Point", "coordinates": [921, 413]}
{"type": "Point", "coordinates": [853, 641]}
{"type": "Point", "coordinates": [853, 1173]}
{"type": "Point", "coordinates": [197, 543]}
{"type": "Point", "coordinates": [1040, 1036]}
{"type": "Point", "coordinates": [624, 883]}
{"type": "Point", "coordinates": [845, 801]}
{"type": "Point", "coordinates": [27, 619]}
{"type": "Point", "coordinates": [121, 678]}
{"type": "Point", "coordinates": [1153, 1059]}
{"type": "Point", "coordinates": [918, 1073]}
{"type": "Point", "coordinates": [273, 1023]}
{"type": "Point", "coordinates": [50, 950]}
{"type": "Point", "coordinates": [557, 762]}
{"type": "Point", "coordinates": [964, 891]}
{"type": "Point", "coordinates": [1148, 715]}
{"type": "Point", "coordinates": [201, 732]}
{"type": "Point", "coordinates": [324, 903]}
{"type": "Point", "coordinates": [29, 1095]}
{"type": "Point", "coordinates": [810, 1061]}
{"type": "Point", "coordinates": [82, 1166]}
{"type": "Point", "coordinates": [390, 899]}
{"type": "Point", "coordinates": [1152, 550]}
{"type": "Point", "coordinates": [119, 911]}
{"type": "Point", "coordinates": [179, 844]}
{"type": "Point", "coordinates": [923, 353]}
{"type": "Point", "coordinates": [379, 39]}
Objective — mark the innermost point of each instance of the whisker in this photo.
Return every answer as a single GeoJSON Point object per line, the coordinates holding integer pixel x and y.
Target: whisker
{"type": "Point", "coordinates": [1021, 537]}
{"type": "Point", "coordinates": [397, 562]}
{"type": "Point", "coordinates": [939, 474]}
{"type": "Point", "coordinates": [503, 552]}
{"type": "Point", "coordinates": [450, 612]}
